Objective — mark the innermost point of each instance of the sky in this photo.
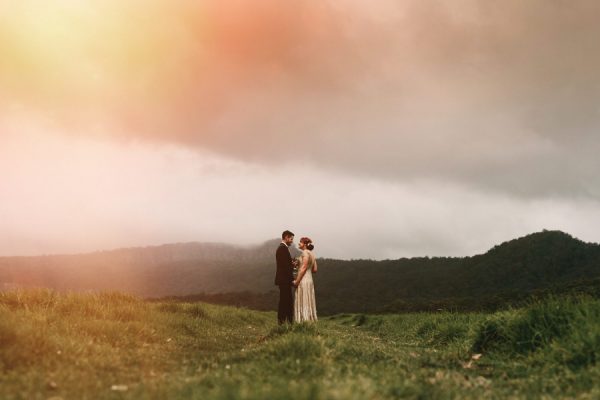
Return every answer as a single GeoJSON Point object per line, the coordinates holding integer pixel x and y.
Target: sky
{"type": "Point", "coordinates": [380, 129]}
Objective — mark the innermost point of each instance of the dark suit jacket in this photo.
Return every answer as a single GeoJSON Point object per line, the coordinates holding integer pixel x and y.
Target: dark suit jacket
{"type": "Point", "coordinates": [284, 274]}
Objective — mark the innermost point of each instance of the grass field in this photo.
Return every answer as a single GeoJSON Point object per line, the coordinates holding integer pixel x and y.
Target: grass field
{"type": "Point", "coordinates": [114, 346]}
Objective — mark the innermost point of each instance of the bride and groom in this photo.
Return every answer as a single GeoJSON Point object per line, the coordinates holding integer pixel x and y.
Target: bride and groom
{"type": "Point", "coordinates": [301, 307]}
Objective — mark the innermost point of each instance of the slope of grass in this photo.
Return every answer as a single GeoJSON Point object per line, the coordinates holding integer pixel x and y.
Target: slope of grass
{"type": "Point", "coordinates": [114, 346]}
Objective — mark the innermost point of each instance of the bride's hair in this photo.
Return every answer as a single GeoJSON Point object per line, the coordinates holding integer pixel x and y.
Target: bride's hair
{"type": "Point", "coordinates": [308, 242]}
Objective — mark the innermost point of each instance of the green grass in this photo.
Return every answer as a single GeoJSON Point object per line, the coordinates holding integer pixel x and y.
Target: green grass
{"type": "Point", "coordinates": [115, 346]}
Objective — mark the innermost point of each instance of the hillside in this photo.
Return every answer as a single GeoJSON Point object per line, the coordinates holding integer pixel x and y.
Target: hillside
{"type": "Point", "coordinates": [537, 263]}
{"type": "Point", "coordinates": [171, 269]}
{"type": "Point", "coordinates": [548, 261]}
{"type": "Point", "coordinates": [116, 346]}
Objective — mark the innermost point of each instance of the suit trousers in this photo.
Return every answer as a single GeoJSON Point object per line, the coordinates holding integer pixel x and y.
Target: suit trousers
{"type": "Point", "coordinates": [285, 312]}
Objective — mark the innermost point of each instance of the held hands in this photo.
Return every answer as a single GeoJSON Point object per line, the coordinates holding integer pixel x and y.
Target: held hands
{"type": "Point", "coordinates": [295, 264]}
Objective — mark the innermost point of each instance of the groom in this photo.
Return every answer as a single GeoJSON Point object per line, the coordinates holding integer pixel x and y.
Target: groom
{"type": "Point", "coordinates": [284, 278]}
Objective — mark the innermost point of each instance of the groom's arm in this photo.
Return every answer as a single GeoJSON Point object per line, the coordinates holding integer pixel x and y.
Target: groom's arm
{"type": "Point", "coordinates": [280, 256]}
{"type": "Point", "coordinates": [284, 259]}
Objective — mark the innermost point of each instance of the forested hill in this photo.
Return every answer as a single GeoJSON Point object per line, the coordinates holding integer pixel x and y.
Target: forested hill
{"type": "Point", "coordinates": [541, 262]}
{"type": "Point", "coordinates": [548, 261]}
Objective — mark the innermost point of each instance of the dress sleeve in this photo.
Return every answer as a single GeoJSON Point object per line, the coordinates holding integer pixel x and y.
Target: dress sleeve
{"type": "Point", "coordinates": [305, 256]}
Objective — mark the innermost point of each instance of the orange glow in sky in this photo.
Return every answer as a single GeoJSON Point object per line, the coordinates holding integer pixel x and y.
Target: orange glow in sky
{"type": "Point", "coordinates": [119, 62]}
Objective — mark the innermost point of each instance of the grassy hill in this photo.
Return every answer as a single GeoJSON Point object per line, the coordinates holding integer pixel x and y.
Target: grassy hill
{"type": "Point", "coordinates": [116, 346]}
{"type": "Point", "coordinates": [510, 273]}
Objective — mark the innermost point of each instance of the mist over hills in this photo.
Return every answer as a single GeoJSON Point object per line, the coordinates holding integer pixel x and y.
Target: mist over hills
{"type": "Point", "coordinates": [224, 273]}
{"type": "Point", "coordinates": [170, 269]}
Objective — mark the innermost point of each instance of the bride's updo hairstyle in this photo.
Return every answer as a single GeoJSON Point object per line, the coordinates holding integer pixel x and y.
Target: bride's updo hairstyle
{"type": "Point", "coordinates": [308, 242]}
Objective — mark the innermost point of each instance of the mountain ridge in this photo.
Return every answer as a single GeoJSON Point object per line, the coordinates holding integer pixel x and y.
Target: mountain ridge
{"type": "Point", "coordinates": [512, 269]}
{"type": "Point", "coordinates": [270, 244]}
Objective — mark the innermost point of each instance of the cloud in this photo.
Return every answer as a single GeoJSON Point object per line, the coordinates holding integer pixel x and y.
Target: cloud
{"type": "Point", "coordinates": [497, 96]}
{"type": "Point", "coordinates": [65, 195]}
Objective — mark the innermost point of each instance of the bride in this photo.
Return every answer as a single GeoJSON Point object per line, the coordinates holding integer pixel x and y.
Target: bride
{"type": "Point", "coordinates": [305, 308]}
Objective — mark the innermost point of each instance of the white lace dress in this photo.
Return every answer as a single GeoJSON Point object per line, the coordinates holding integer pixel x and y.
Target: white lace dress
{"type": "Point", "coordinates": [305, 306]}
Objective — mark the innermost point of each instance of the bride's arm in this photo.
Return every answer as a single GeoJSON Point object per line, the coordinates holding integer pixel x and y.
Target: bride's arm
{"type": "Point", "coordinates": [314, 268]}
{"type": "Point", "coordinates": [302, 271]}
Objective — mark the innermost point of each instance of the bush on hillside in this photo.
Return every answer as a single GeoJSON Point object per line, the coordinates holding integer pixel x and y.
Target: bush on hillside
{"type": "Point", "coordinates": [564, 329]}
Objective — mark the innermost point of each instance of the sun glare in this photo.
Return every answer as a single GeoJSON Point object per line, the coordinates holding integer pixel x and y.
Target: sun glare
{"type": "Point", "coordinates": [50, 31]}
{"type": "Point", "coordinates": [62, 54]}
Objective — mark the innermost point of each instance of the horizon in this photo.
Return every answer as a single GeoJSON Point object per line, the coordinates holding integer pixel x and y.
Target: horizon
{"type": "Point", "coordinates": [380, 130]}
{"type": "Point", "coordinates": [319, 256]}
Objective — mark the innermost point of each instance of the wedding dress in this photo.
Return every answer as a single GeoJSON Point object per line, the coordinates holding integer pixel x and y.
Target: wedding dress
{"type": "Point", "coordinates": [305, 307]}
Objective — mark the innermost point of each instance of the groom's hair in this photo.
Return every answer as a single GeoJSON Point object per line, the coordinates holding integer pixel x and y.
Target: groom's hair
{"type": "Point", "coordinates": [286, 234]}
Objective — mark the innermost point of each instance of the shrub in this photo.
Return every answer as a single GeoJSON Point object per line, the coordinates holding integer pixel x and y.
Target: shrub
{"type": "Point", "coordinates": [563, 329]}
